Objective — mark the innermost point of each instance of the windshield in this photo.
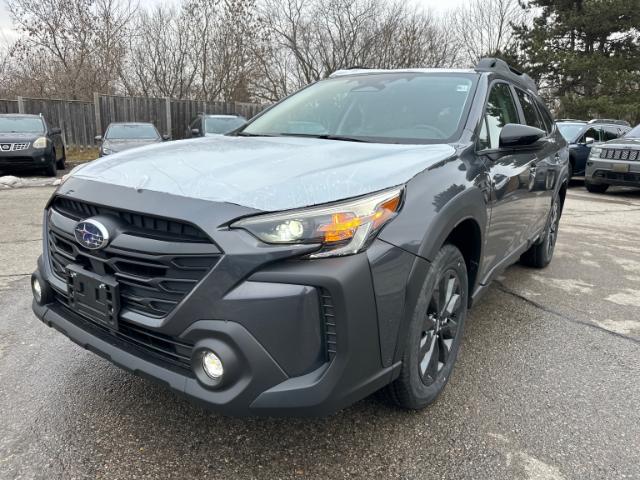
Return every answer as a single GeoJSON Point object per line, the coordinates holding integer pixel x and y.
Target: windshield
{"type": "Point", "coordinates": [222, 124]}
{"type": "Point", "coordinates": [570, 131]}
{"type": "Point", "coordinates": [132, 132]}
{"type": "Point", "coordinates": [387, 107]}
{"type": "Point", "coordinates": [21, 125]}
{"type": "Point", "coordinates": [633, 133]}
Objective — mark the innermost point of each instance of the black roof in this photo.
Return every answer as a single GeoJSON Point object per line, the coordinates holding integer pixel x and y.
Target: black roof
{"type": "Point", "coordinates": [500, 66]}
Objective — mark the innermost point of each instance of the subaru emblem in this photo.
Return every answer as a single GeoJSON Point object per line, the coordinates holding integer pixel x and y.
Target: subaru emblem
{"type": "Point", "coordinates": [91, 234]}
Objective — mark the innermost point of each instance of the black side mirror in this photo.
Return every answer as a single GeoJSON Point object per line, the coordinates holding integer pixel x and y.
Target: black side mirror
{"type": "Point", "coordinates": [166, 137]}
{"type": "Point", "coordinates": [56, 131]}
{"type": "Point", "coordinates": [98, 138]}
{"type": "Point", "coordinates": [514, 136]}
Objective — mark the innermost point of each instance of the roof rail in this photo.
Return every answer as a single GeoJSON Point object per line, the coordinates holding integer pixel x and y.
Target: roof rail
{"type": "Point", "coordinates": [611, 121]}
{"type": "Point", "coordinates": [491, 64]}
{"type": "Point", "coordinates": [574, 120]}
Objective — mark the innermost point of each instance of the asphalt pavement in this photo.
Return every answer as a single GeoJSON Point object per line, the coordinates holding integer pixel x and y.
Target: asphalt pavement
{"type": "Point", "coordinates": [547, 384]}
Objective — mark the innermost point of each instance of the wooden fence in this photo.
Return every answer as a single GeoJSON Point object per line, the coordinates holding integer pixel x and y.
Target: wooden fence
{"type": "Point", "coordinates": [81, 121]}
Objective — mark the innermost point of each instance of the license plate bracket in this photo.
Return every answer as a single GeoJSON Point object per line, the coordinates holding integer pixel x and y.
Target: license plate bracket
{"type": "Point", "coordinates": [94, 296]}
{"type": "Point", "coordinates": [620, 167]}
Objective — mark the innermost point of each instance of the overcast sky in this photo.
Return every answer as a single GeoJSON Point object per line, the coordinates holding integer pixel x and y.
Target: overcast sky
{"type": "Point", "coordinates": [6, 32]}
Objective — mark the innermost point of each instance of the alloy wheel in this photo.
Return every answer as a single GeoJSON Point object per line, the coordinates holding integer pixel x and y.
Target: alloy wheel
{"type": "Point", "coordinates": [553, 226]}
{"type": "Point", "coordinates": [440, 326]}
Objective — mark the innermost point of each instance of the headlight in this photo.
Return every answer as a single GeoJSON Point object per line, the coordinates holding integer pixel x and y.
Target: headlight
{"type": "Point", "coordinates": [40, 143]}
{"type": "Point", "coordinates": [595, 152]}
{"type": "Point", "coordinates": [340, 229]}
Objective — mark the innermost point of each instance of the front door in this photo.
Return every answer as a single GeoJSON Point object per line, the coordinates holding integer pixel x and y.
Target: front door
{"type": "Point", "coordinates": [513, 175]}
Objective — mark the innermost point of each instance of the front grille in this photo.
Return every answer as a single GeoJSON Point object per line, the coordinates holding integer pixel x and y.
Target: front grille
{"type": "Point", "coordinates": [138, 224]}
{"type": "Point", "coordinates": [328, 312]}
{"type": "Point", "coordinates": [168, 350]}
{"type": "Point", "coordinates": [620, 154]}
{"type": "Point", "coordinates": [13, 147]}
{"type": "Point", "coordinates": [150, 284]}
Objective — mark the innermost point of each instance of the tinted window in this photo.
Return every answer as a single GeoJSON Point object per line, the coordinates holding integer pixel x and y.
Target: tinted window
{"type": "Point", "coordinates": [591, 134]}
{"type": "Point", "coordinates": [611, 133]}
{"type": "Point", "coordinates": [21, 125]}
{"type": "Point", "coordinates": [546, 116]}
{"type": "Point", "coordinates": [500, 110]}
{"type": "Point", "coordinates": [531, 115]}
{"type": "Point", "coordinates": [223, 124]}
{"type": "Point", "coordinates": [131, 132]}
{"type": "Point", "coordinates": [387, 107]}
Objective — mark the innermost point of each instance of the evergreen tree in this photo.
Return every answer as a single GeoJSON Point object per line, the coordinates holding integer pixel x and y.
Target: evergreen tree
{"type": "Point", "coordinates": [585, 54]}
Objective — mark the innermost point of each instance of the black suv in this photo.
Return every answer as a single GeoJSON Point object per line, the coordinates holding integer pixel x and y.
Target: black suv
{"type": "Point", "coordinates": [28, 142]}
{"type": "Point", "coordinates": [328, 249]}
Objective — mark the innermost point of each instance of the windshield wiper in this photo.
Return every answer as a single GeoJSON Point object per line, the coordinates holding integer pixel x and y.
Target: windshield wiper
{"type": "Point", "coordinates": [247, 134]}
{"type": "Point", "coordinates": [326, 136]}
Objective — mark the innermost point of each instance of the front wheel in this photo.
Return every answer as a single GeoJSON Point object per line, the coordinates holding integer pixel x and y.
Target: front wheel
{"type": "Point", "coordinates": [596, 187]}
{"type": "Point", "coordinates": [434, 334]}
{"type": "Point", "coordinates": [540, 254]}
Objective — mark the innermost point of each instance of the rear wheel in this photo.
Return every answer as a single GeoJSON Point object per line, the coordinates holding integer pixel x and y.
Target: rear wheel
{"type": "Point", "coordinates": [596, 187]}
{"type": "Point", "coordinates": [434, 334]}
{"type": "Point", "coordinates": [540, 254]}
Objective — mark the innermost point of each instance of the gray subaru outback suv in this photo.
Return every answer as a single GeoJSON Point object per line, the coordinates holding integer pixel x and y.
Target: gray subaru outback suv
{"type": "Point", "coordinates": [616, 162]}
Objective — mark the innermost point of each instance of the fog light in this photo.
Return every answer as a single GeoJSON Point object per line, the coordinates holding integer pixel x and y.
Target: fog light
{"type": "Point", "coordinates": [212, 365]}
{"type": "Point", "coordinates": [37, 289]}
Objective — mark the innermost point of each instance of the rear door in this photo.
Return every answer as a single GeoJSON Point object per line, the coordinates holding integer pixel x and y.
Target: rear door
{"type": "Point", "coordinates": [512, 201]}
{"type": "Point", "coordinates": [547, 165]}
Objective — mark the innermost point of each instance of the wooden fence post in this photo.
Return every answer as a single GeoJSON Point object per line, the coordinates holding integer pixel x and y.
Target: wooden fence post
{"type": "Point", "coordinates": [168, 113]}
{"type": "Point", "coordinates": [20, 105]}
{"type": "Point", "coordinates": [96, 106]}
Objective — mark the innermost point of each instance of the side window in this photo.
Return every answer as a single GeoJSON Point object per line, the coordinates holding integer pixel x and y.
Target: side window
{"type": "Point", "coordinates": [546, 116]}
{"type": "Point", "coordinates": [500, 110]}
{"type": "Point", "coordinates": [610, 133]}
{"type": "Point", "coordinates": [531, 115]}
{"type": "Point", "coordinates": [197, 123]}
{"type": "Point", "coordinates": [591, 135]}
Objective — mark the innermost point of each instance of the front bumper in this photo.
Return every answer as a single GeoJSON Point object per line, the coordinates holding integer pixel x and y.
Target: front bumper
{"type": "Point", "coordinates": [25, 159]}
{"type": "Point", "coordinates": [608, 172]}
{"type": "Point", "coordinates": [306, 337]}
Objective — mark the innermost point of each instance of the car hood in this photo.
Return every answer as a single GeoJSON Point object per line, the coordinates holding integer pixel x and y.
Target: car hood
{"type": "Point", "coordinates": [265, 173]}
{"type": "Point", "coordinates": [622, 143]}
{"type": "Point", "coordinates": [121, 145]}
{"type": "Point", "coordinates": [6, 137]}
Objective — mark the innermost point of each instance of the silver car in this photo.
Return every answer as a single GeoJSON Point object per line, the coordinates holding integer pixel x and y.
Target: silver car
{"type": "Point", "coordinates": [616, 162]}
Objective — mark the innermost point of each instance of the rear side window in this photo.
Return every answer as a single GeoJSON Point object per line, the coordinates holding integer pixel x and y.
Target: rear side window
{"type": "Point", "coordinates": [546, 116]}
{"type": "Point", "coordinates": [531, 115]}
{"type": "Point", "coordinates": [500, 110]}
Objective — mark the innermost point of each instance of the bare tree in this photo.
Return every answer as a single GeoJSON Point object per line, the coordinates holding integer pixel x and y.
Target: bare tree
{"type": "Point", "coordinates": [485, 27]}
{"type": "Point", "coordinates": [70, 47]}
{"type": "Point", "coordinates": [164, 54]}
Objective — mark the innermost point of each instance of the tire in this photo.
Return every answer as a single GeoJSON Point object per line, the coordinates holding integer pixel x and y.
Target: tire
{"type": "Point", "coordinates": [435, 333]}
{"type": "Point", "coordinates": [62, 163]}
{"type": "Point", "coordinates": [540, 254]}
{"type": "Point", "coordinates": [596, 187]}
{"type": "Point", "coordinates": [52, 169]}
